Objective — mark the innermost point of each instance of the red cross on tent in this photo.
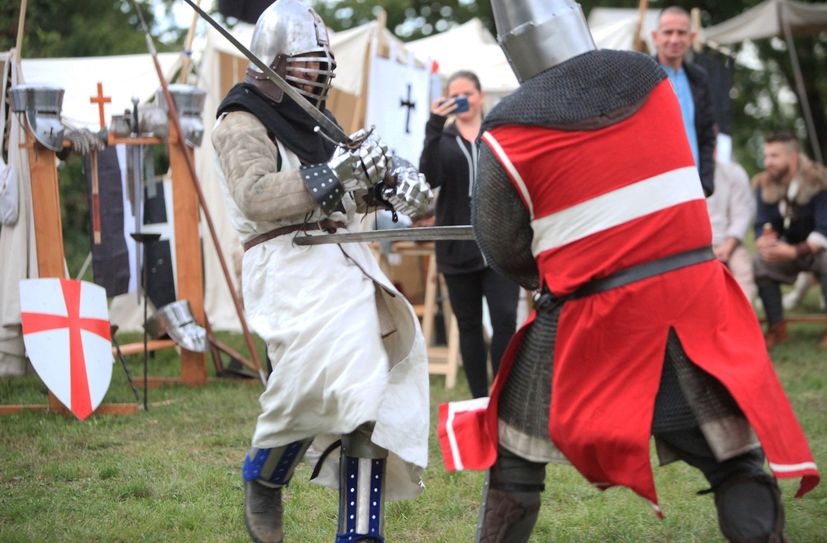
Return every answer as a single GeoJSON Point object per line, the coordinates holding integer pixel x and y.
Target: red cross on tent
{"type": "Point", "coordinates": [67, 337]}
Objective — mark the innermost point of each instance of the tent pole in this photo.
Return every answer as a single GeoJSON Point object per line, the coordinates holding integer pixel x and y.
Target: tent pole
{"type": "Point", "coordinates": [638, 42]}
{"type": "Point", "coordinates": [802, 90]}
{"type": "Point", "coordinates": [21, 22]}
{"type": "Point", "coordinates": [185, 65]}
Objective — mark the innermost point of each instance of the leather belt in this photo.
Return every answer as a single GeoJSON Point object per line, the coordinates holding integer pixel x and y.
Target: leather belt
{"type": "Point", "coordinates": [548, 302]}
{"type": "Point", "coordinates": [328, 225]}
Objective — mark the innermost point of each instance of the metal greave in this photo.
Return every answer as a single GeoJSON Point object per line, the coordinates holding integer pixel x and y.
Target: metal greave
{"type": "Point", "coordinates": [274, 467]}
{"type": "Point", "coordinates": [361, 488]}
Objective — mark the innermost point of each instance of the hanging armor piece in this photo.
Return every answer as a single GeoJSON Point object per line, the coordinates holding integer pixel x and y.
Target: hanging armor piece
{"type": "Point", "coordinates": [538, 34]}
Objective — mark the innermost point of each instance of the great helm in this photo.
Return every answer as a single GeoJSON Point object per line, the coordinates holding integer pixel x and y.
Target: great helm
{"type": "Point", "coordinates": [538, 34]}
{"type": "Point", "coordinates": [288, 36]}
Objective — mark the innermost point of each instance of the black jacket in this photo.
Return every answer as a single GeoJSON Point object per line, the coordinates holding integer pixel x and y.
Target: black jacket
{"type": "Point", "coordinates": [705, 126]}
{"type": "Point", "coordinates": [449, 162]}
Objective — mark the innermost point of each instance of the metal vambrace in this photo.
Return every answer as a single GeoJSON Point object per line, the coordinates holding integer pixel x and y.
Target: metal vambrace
{"type": "Point", "coordinates": [274, 467]}
{"type": "Point", "coordinates": [361, 488]}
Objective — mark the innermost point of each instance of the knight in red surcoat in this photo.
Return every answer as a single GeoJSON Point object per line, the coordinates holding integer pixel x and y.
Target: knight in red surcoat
{"type": "Point", "coordinates": [588, 193]}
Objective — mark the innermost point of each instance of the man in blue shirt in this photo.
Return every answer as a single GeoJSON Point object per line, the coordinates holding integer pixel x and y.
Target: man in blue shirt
{"type": "Point", "coordinates": [672, 40]}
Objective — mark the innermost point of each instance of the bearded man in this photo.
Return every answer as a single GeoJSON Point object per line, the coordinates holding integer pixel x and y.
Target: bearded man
{"type": "Point", "coordinates": [790, 226]}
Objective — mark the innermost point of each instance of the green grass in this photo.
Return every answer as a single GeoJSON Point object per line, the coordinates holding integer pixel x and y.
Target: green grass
{"type": "Point", "coordinates": [173, 473]}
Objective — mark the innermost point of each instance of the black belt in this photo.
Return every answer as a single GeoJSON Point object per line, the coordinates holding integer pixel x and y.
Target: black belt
{"type": "Point", "coordinates": [546, 301]}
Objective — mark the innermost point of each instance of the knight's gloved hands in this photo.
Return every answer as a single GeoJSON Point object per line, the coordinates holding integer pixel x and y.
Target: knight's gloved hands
{"type": "Point", "coordinates": [375, 157]}
{"type": "Point", "coordinates": [363, 167]}
{"type": "Point", "coordinates": [408, 192]}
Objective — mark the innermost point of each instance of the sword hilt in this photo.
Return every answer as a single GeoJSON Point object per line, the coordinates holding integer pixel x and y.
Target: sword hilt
{"type": "Point", "coordinates": [350, 144]}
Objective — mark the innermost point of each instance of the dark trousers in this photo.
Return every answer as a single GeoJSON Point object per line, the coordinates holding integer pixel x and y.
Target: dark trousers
{"type": "Point", "coordinates": [466, 290]}
{"type": "Point", "coordinates": [769, 276]}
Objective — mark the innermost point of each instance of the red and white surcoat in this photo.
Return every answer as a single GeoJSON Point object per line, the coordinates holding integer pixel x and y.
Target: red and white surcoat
{"type": "Point", "coordinates": [601, 201]}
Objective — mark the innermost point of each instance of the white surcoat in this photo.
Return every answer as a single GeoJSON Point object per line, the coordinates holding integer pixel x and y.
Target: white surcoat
{"type": "Point", "coordinates": [345, 346]}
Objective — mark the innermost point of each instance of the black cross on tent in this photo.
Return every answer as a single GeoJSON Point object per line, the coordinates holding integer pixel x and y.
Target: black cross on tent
{"type": "Point", "coordinates": [410, 105]}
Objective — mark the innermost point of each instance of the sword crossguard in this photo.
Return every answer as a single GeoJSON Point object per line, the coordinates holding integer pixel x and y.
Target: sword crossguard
{"type": "Point", "coordinates": [350, 144]}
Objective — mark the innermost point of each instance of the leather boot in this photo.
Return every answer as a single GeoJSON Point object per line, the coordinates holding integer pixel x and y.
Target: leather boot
{"type": "Point", "coordinates": [776, 333]}
{"type": "Point", "coordinates": [263, 512]}
{"type": "Point", "coordinates": [750, 510]}
{"type": "Point", "coordinates": [508, 517]}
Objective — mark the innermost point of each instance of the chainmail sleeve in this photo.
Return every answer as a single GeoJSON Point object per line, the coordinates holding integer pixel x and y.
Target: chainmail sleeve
{"type": "Point", "coordinates": [502, 224]}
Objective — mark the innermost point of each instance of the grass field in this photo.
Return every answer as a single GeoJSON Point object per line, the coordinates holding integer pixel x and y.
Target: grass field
{"type": "Point", "coordinates": [172, 474]}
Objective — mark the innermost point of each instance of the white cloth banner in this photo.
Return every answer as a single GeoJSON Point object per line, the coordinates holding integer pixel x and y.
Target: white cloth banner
{"type": "Point", "coordinates": [8, 177]}
{"type": "Point", "coordinates": [398, 105]}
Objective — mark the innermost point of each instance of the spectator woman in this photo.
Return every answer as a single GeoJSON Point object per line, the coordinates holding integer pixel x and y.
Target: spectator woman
{"type": "Point", "coordinates": [449, 162]}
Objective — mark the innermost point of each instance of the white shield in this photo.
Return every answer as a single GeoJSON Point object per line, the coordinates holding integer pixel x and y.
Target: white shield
{"type": "Point", "coordinates": [68, 340]}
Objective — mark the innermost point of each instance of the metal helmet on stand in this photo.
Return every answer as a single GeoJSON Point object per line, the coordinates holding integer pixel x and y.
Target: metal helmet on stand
{"type": "Point", "coordinates": [42, 105]}
{"type": "Point", "coordinates": [189, 104]}
{"type": "Point", "coordinates": [288, 36]}
{"type": "Point", "coordinates": [538, 34]}
{"type": "Point", "coordinates": [177, 321]}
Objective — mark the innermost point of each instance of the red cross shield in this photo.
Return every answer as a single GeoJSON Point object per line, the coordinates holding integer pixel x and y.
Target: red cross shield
{"type": "Point", "coordinates": [67, 337]}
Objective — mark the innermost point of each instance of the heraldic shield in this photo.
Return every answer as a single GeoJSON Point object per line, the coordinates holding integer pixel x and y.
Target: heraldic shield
{"type": "Point", "coordinates": [67, 337]}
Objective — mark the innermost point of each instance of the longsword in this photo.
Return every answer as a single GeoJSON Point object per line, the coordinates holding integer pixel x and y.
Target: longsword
{"type": "Point", "coordinates": [332, 129]}
{"type": "Point", "coordinates": [427, 233]}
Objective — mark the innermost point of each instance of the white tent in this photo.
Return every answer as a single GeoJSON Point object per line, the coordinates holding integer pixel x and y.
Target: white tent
{"type": "Point", "coordinates": [122, 76]}
{"type": "Point", "coordinates": [469, 46]}
{"type": "Point", "coordinates": [768, 19]}
{"type": "Point", "coordinates": [614, 28]}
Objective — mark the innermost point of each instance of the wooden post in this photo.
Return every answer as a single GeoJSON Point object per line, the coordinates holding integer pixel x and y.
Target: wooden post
{"type": "Point", "coordinates": [188, 257]}
{"type": "Point", "coordinates": [48, 227]}
{"type": "Point", "coordinates": [185, 65]}
{"type": "Point", "coordinates": [21, 23]}
{"type": "Point", "coordinates": [638, 41]}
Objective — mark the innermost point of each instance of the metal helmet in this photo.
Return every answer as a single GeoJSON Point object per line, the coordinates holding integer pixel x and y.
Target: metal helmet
{"type": "Point", "coordinates": [177, 321]}
{"type": "Point", "coordinates": [189, 104]}
{"type": "Point", "coordinates": [288, 37]}
{"type": "Point", "coordinates": [41, 105]}
{"type": "Point", "coordinates": [538, 34]}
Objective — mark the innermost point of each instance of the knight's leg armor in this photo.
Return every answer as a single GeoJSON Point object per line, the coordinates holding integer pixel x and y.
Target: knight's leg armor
{"type": "Point", "coordinates": [747, 499]}
{"type": "Point", "coordinates": [265, 472]}
{"type": "Point", "coordinates": [361, 488]}
{"type": "Point", "coordinates": [510, 500]}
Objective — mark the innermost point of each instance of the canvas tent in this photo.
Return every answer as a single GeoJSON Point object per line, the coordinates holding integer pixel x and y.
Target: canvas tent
{"type": "Point", "coordinates": [469, 46]}
{"type": "Point", "coordinates": [769, 19]}
{"type": "Point", "coordinates": [772, 18]}
{"type": "Point", "coordinates": [614, 28]}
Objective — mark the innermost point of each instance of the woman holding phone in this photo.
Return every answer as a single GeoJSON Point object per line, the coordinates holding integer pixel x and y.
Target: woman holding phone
{"type": "Point", "coordinates": [449, 162]}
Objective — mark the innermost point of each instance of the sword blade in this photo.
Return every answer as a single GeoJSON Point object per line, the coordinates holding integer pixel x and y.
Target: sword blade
{"type": "Point", "coordinates": [331, 128]}
{"type": "Point", "coordinates": [429, 233]}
